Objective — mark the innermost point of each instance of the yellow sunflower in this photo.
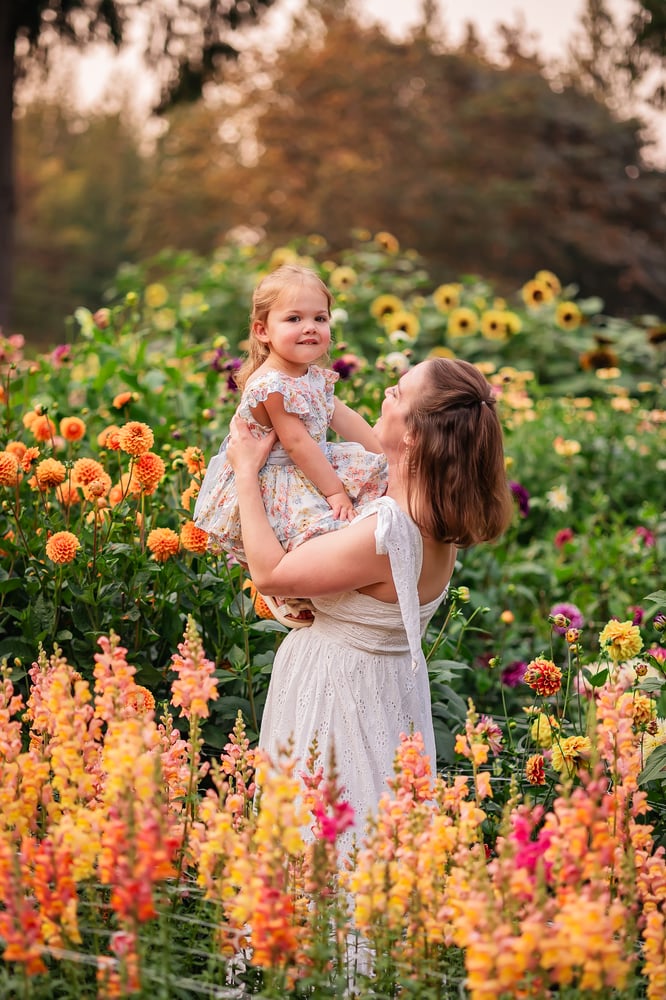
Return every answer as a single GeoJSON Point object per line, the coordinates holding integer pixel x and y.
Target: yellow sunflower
{"type": "Point", "coordinates": [384, 305]}
{"type": "Point", "coordinates": [568, 316]}
{"type": "Point", "coordinates": [463, 322]}
{"type": "Point", "coordinates": [387, 242]}
{"type": "Point", "coordinates": [342, 278]}
{"type": "Point", "coordinates": [447, 297]}
{"type": "Point", "coordinates": [536, 293]}
{"type": "Point", "coordinates": [403, 320]}
{"type": "Point", "coordinates": [493, 324]}
{"type": "Point", "coordinates": [551, 280]}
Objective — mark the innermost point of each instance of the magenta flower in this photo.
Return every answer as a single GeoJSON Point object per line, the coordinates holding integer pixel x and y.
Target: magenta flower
{"type": "Point", "coordinates": [513, 674]}
{"type": "Point", "coordinates": [562, 537]}
{"type": "Point", "coordinates": [522, 498]}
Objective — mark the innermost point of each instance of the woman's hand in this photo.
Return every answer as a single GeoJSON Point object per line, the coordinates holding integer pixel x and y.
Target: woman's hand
{"type": "Point", "coordinates": [245, 452]}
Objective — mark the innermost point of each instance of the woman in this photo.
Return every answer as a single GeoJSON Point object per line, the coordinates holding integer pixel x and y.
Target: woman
{"type": "Point", "coordinates": [357, 678]}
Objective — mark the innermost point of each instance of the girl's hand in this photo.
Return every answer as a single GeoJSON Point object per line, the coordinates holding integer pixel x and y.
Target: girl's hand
{"type": "Point", "coordinates": [342, 507]}
{"type": "Point", "coordinates": [245, 452]}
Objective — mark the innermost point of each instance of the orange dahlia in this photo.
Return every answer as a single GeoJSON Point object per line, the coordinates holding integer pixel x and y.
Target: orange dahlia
{"type": "Point", "coordinates": [163, 543]}
{"type": "Point", "coordinates": [149, 470]}
{"type": "Point", "coordinates": [17, 448]}
{"type": "Point", "coordinates": [108, 438]}
{"type": "Point", "coordinates": [97, 488]}
{"type": "Point", "coordinates": [195, 461]}
{"type": "Point", "coordinates": [135, 438]}
{"type": "Point", "coordinates": [30, 455]}
{"type": "Point", "coordinates": [9, 469]}
{"type": "Point", "coordinates": [193, 539]}
{"type": "Point", "coordinates": [62, 547]}
{"type": "Point", "coordinates": [50, 472]}
{"type": "Point", "coordinates": [261, 608]}
{"type": "Point", "coordinates": [68, 494]}
{"type": "Point", "coordinates": [543, 676]}
{"type": "Point", "coordinates": [42, 428]}
{"type": "Point", "coordinates": [190, 494]}
{"type": "Point", "coordinates": [72, 428]}
{"type": "Point", "coordinates": [534, 770]}
{"type": "Point", "coordinates": [85, 470]}
{"type": "Point", "coordinates": [122, 399]}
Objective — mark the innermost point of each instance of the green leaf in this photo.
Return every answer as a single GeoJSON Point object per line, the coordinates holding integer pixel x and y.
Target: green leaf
{"type": "Point", "coordinates": [655, 766]}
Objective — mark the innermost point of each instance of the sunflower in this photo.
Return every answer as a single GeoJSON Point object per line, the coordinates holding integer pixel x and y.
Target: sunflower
{"type": "Point", "coordinates": [403, 320]}
{"type": "Point", "coordinates": [493, 324]}
{"type": "Point", "coordinates": [536, 293]}
{"type": "Point", "coordinates": [447, 297]}
{"type": "Point", "coordinates": [568, 316]}
{"type": "Point", "coordinates": [385, 305]}
{"type": "Point", "coordinates": [598, 358]}
{"type": "Point", "coordinates": [387, 242]}
{"type": "Point", "coordinates": [551, 280]}
{"type": "Point", "coordinates": [343, 278]}
{"type": "Point", "coordinates": [156, 295]}
{"type": "Point", "coordinates": [463, 322]}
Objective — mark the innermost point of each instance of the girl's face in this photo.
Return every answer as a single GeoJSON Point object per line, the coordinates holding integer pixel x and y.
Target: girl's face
{"type": "Point", "coordinates": [297, 329]}
{"type": "Point", "coordinates": [399, 401]}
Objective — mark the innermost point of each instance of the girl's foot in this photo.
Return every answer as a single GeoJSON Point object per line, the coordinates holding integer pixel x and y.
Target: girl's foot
{"type": "Point", "coordinates": [293, 612]}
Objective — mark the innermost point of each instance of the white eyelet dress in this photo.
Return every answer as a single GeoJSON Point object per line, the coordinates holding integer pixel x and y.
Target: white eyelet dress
{"type": "Point", "coordinates": [357, 677]}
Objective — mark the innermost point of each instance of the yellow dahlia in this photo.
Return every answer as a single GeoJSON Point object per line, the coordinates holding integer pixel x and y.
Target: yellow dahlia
{"type": "Point", "coordinates": [50, 472]}
{"type": "Point", "coordinates": [568, 316]}
{"type": "Point", "coordinates": [149, 470]}
{"type": "Point", "coordinates": [135, 438]}
{"type": "Point", "coordinates": [62, 547]}
{"type": "Point", "coordinates": [9, 469]}
{"type": "Point", "coordinates": [447, 297]}
{"type": "Point", "coordinates": [156, 295]}
{"type": "Point", "coordinates": [543, 728]}
{"type": "Point", "coordinates": [163, 543]}
{"type": "Point", "coordinates": [568, 754]}
{"type": "Point", "coordinates": [621, 640]}
{"type": "Point", "coordinates": [192, 538]}
{"type": "Point", "coordinates": [72, 428]}
{"type": "Point", "coordinates": [463, 322]}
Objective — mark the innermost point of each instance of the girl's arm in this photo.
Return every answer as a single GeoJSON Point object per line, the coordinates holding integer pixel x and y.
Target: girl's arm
{"type": "Point", "coordinates": [328, 564]}
{"type": "Point", "coordinates": [308, 456]}
{"type": "Point", "coordinates": [351, 426]}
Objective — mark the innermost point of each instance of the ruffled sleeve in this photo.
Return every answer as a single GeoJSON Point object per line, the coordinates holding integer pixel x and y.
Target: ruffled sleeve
{"type": "Point", "coordinates": [397, 535]}
{"type": "Point", "coordinates": [292, 390]}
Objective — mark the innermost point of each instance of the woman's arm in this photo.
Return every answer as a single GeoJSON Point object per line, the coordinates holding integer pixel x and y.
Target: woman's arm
{"type": "Point", "coordinates": [308, 456]}
{"type": "Point", "coordinates": [351, 426]}
{"type": "Point", "coordinates": [329, 564]}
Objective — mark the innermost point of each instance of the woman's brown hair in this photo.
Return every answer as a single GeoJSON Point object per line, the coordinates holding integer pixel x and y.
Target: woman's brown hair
{"type": "Point", "coordinates": [457, 484]}
{"type": "Point", "coordinates": [264, 298]}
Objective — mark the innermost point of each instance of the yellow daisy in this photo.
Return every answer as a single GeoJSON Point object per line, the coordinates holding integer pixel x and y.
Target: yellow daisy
{"type": "Point", "coordinates": [463, 322]}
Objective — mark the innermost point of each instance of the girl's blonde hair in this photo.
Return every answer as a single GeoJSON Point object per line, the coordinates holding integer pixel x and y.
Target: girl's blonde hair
{"type": "Point", "coordinates": [264, 297]}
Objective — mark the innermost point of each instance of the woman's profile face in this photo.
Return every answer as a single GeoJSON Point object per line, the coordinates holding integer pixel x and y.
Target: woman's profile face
{"type": "Point", "coordinates": [399, 399]}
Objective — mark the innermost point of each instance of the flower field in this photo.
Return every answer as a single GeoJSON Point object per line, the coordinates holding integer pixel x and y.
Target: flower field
{"type": "Point", "coordinates": [136, 664]}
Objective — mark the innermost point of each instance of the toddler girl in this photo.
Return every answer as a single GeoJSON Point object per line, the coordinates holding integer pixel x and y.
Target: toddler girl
{"type": "Point", "coordinates": [309, 485]}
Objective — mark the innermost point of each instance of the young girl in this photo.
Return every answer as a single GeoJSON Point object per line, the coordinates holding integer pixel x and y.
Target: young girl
{"type": "Point", "coordinates": [309, 485]}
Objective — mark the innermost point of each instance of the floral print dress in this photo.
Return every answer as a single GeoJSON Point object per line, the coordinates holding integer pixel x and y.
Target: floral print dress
{"type": "Point", "coordinates": [295, 507]}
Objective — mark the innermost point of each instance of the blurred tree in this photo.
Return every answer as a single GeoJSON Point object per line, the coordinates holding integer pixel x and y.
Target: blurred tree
{"type": "Point", "coordinates": [185, 44]}
{"type": "Point", "coordinates": [647, 52]}
{"type": "Point", "coordinates": [78, 183]}
{"type": "Point", "coordinates": [480, 168]}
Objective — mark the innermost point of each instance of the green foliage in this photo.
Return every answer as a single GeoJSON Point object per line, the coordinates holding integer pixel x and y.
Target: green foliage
{"type": "Point", "coordinates": [585, 444]}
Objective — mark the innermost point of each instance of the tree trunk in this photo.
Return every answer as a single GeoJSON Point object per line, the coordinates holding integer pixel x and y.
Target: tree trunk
{"type": "Point", "coordinates": [6, 162]}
